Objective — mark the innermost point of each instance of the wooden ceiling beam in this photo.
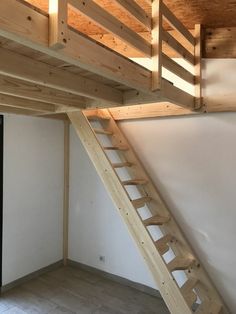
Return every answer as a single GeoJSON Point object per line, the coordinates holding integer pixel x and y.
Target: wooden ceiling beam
{"type": "Point", "coordinates": [26, 90]}
{"type": "Point", "coordinates": [31, 28]}
{"type": "Point", "coordinates": [168, 93]}
{"type": "Point", "coordinates": [26, 104]}
{"type": "Point", "coordinates": [27, 69]}
{"type": "Point", "coordinates": [12, 110]}
{"type": "Point", "coordinates": [155, 110]}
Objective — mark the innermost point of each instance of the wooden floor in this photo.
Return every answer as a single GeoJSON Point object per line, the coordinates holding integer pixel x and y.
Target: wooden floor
{"type": "Point", "coordinates": [71, 290]}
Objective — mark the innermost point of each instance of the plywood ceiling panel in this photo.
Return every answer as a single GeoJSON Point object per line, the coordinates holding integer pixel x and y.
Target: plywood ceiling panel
{"type": "Point", "coordinates": [214, 13]}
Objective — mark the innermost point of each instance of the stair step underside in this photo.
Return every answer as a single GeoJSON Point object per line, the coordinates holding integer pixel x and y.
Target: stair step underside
{"type": "Point", "coordinates": [189, 285]}
{"type": "Point", "coordinates": [101, 131]}
{"type": "Point", "coordinates": [140, 202]}
{"type": "Point", "coordinates": [121, 148]}
{"type": "Point", "coordinates": [97, 117]}
{"type": "Point", "coordinates": [162, 244]}
{"type": "Point", "coordinates": [156, 221]}
{"type": "Point", "coordinates": [122, 165]}
{"type": "Point", "coordinates": [180, 263]}
{"type": "Point", "coordinates": [190, 298]}
{"type": "Point", "coordinates": [134, 182]}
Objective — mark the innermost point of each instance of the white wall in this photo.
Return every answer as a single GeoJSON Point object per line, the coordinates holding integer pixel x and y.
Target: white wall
{"type": "Point", "coordinates": [33, 195]}
{"type": "Point", "coordinates": [95, 227]}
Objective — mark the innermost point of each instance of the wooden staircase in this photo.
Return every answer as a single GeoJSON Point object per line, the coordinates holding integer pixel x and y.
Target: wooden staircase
{"type": "Point", "coordinates": [153, 227]}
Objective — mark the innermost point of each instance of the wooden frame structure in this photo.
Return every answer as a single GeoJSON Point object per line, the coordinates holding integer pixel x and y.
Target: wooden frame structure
{"type": "Point", "coordinates": [56, 69]}
{"type": "Point", "coordinates": [49, 69]}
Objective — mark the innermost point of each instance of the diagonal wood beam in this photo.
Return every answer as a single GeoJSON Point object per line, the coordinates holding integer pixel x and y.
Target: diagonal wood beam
{"type": "Point", "coordinates": [21, 67]}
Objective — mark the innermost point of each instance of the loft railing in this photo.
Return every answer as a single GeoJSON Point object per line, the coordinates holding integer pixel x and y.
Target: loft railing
{"type": "Point", "coordinates": [169, 38]}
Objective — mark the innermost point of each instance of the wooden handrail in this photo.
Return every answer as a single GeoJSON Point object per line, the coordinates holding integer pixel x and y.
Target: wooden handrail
{"type": "Point", "coordinates": [175, 23]}
{"type": "Point", "coordinates": [108, 22]}
{"type": "Point", "coordinates": [136, 11]}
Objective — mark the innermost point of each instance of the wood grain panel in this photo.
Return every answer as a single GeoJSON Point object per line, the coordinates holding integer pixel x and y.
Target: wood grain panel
{"type": "Point", "coordinates": [215, 13]}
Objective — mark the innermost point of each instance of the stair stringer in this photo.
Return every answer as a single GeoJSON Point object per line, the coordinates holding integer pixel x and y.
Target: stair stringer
{"type": "Point", "coordinates": [169, 289]}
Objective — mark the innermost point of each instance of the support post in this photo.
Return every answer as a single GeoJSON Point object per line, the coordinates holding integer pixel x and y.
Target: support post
{"type": "Point", "coordinates": [58, 24]}
{"type": "Point", "coordinates": [198, 66]}
{"type": "Point", "coordinates": [156, 44]}
{"type": "Point", "coordinates": [66, 190]}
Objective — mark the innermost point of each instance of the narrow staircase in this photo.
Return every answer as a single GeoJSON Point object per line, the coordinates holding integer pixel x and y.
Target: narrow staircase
{"type": "Point", "coordinates": [153, 227]}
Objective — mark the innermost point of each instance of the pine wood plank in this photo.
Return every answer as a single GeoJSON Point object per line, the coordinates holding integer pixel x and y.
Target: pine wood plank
{"type": "Point", "coordinates": [108, 22]}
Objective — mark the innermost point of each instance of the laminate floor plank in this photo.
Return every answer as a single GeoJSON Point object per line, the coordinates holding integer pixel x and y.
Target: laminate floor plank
{"type": "Point", "coordinates": [70, 290]}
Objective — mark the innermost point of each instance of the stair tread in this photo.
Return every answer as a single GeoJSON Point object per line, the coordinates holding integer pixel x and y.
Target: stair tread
{"type": "Point", "coordinates": [190, 298]}
{"type": "Point", "coordinates": [122, 164]}
{"type": "Point", "coordinates": [189, 285]}
{"type": "Point", "coordinates": [97, 117]}
{"type": "Point", "coordinates": [134, 182]}
{"type": "Point", "coordinates": [124, 148]}
{"type": "Point", "coordinates": [209, 308]}
{"type": "Point", "coordinates": [140, 202]}
{"type": "Point", "coordinates": [180, 263]}
{"type": "Point", "coordinates": [101, 131]}
{"type": "Point", "coordinates": [156, 220]}
{"type": "Point", "coordinates": [162, 244]}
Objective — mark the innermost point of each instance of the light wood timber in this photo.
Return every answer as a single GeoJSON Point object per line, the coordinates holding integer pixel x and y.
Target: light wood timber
{"type": "Point", "coordinates": [179, 48]}
{"type": "Point", "coordinates": [140, 202]}
{"type": "Point", "coordinates": [136, 11]}
{"type": "Point", "coordinates": [21, 67]}
{"type": "Point", "coordinates": [108, 22]}
{"type": "Point", "coordinates": [66, 190]}
{"type": "Point", "coordinates": [162, 244]}
{"type": "Point", "coordinates": [155, 110]}
{"type": "Point", "coordinates": [175, 23]}
{"type": "Point", "coordinates": [176, 95]}
{"type": "Point", "coordinates": [168, 93]}
{"type": "Point", "coordinates": [58, 24]}
{"type": "Point", "coordinates": [79, 51]}
{"type": "Point", "coordinates": [20, 111]}
{"type": "Point", "coordinates": [220, 43]}
{"type": "Point", "coordinates": [179, 246]}
{"type": "Point", "coordinates": [198, 66]}
{"type": "Point", "coordinates": [156, 220]}
{"type": "Point", "coordinates": [134, 182]}
{"type": "Point", "coordinates": [189, 285]}
{"type": "Point", "coordinates": [180, 263]}
{"type": "Point", "coordinates": [177, 69]}
{"type": "Point", "coordinates": [104, 132]}
{"type": "Point", "coordinates": [97, 114]}
{"type": "Point", "coordinates": [121, 148]}
{"type": "Point", "coordinates": [122, 164]}
{"type": "Point", "coordinates": [156, 44]}
{"type": "Point", "coordinates": [189, 12]}
{"type": "Point", "coordinates": [26, 90]}
{"type": "Point", "coordinates": [26, 104]}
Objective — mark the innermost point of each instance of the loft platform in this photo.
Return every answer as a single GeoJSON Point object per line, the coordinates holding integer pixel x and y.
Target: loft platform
{"type": "Point", "coordinates": [49, 67]}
